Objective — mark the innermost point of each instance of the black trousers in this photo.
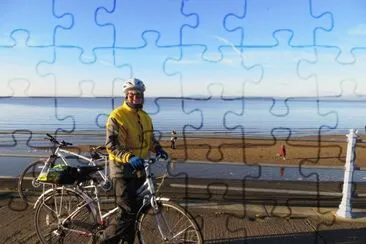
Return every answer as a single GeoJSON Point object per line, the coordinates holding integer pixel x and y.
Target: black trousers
{"type": "Point", "coordinates": [172, 144]}
{"type": "Point", "coordinates": [121, 229]}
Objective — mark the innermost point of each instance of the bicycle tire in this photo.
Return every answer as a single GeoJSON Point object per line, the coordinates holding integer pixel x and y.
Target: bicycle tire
{"type": "Point", "coordinates": [29, 189]}
{"type": "Point", "coordinates": [57, 206]}
{"type": "Point", "coordinates": [148, 231]}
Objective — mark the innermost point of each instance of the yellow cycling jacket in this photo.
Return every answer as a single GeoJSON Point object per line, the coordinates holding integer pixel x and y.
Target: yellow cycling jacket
{"type": "Point", "coordinates": [129, 132]}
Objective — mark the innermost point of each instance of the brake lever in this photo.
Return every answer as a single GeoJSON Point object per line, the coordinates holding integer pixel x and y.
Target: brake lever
{"type": "Point", "coordinates": [152, 161]}
{"type": "Point", "coordinates": [157, 158]}
{"type": "Point", "coordinates": [66, 143]}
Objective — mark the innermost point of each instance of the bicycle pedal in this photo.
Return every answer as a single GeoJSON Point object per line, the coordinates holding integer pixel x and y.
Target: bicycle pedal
{"type": "Point", "coordinates": [56, 232]}
{"type": "Point", "coordinates": [107, 186]}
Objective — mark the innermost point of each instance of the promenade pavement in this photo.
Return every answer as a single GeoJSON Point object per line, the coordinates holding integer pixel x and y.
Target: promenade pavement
{"type": "Point", "coordinates": [229, 222]}
{"type": "Point", "coordinates": [222, 223]}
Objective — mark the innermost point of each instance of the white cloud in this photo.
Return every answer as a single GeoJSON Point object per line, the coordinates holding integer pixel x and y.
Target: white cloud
{"type": "Point", "coordinates": [228, 61]}
{"type": "Point", "coordinates": [187, 61]}
{"type": "Point", "coordinates": [359, 30]}
{"type": "Point", "coordinates": [224, 40]}
{"type": "Point", "coordinates": [88, 58]}
{"type": "Point", "coordinates": [107, 63]}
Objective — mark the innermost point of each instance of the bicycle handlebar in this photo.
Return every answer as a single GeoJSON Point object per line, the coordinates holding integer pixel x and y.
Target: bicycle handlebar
{"type": "Point", "coordinates": [150, 161]}
{"type": "Point", "coordinates": [153, 160]}
{"type": "Point", "coordinates": [54, 140]}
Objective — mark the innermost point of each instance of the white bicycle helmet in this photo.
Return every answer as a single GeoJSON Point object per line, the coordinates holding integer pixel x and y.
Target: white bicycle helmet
{"type": "Point", "coordinates": [133, 84]}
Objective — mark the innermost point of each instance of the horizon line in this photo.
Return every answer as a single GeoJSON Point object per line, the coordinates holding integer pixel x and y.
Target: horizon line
{"type": "Point", "coordinates": [337, 97]}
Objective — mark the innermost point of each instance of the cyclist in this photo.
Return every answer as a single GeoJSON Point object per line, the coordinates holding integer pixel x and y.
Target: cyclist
{"type": "Point", "coordinates": [129, 140]}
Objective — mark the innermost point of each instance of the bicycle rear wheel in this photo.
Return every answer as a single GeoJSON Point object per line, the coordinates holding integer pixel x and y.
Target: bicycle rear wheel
{"type": "Point", "coordinates": [29, 188]}
{"type": "Point", "coordinates": [63, 216]}
{"type": "Point", "coordinates": [170, 223]}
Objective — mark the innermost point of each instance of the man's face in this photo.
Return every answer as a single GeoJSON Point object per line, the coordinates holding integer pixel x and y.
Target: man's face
{"type": "Point", "coordinates": [134, 97]}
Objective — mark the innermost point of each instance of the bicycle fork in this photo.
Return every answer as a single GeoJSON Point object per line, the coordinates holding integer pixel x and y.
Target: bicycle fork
{"type": "Point", "coordinates": [161, 222]}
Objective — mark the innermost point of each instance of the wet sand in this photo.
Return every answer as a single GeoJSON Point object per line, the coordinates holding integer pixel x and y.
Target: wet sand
{"type": "Point", "coordinates": [313, 150]}
{"type": "Point", "coordinates": [326, 150]}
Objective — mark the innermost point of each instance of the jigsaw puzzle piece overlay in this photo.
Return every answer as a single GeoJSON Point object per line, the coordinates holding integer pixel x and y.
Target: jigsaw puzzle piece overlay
{"type": "Point", "coordinates": [210, 31]}
{"type": "Point", "coordinates": [244, 212]}
{"type": "Point", "coordinates": [95, 79]}
{"type": "Point", "coordinates": [261, 18]}
{"type": "Point", "coordinates": [168, 114]}
{"type": "Point", "coordinates": [168, 23]}
{"type": "Point", "coordinates": [275, 128]}
{"type": "Point", "coordinates": [280, 76]}
{"type": "Point", "coordinates": [341, 81]}
{"type": "Point", "coordinates": [72, 75]}
{"type": "Point", "coordinates": [15, 142]}
{"type": "Point", "coordinates": [91, 118]}
{"type": "Point", "coordinates": [21, 117]}
{"type": "Point", "coordinates": [85, 32]}
{"type": "Point", "coordinates": [349, 27]}
{"type": "Point", "coordinates": [196, 74]}
{"type": "Point", "coordinates": [18, 87]}
{"type": "Point", "coordinates": [272, 210]}
{"type": "Point", "coordinates": [326, 218]}
{"type": "Point", "coordinates": [213, 149]}
{"type": "Point", "coordinates": [330, 74]}
{"type": "Point", "coordinates": [344, 110]}
{"type": "Point", "coordinates": [36, 17]}
{"type": "Point", "coordinates": [147, 64]}
{"type": "Point", "coordinates": [282, 207]}
{"type": "Point", "coordinates": [19, 72]}
{"type": "Point", "coordinates": [18, 139]}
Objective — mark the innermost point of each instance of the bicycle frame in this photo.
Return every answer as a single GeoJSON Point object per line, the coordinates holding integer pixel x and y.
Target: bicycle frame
{"type": "Point", "coordinates": [146, 192]}
{"type": "Point", "coordinates": [60, 153]}
{"type": "Point", "coordinates": [91, 161]}
{"type": "Point", "coordinates": [88, 201]}
{"type": "Point", "coordinates": [88, 193]}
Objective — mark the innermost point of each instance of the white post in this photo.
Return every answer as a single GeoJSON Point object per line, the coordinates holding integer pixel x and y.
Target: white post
{"type": "Point", "coordinates": [345, 208]}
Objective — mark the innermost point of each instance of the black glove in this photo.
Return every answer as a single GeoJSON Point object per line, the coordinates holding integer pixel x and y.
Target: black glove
{"type": "Point", "coordinates": [161, 153]}
{"type": "Point", "coordinates": [136, 162]}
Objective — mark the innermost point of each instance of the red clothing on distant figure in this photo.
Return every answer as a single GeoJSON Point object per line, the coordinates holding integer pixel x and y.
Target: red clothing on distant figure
{"type": "Point", "coordinates": [283, 151]}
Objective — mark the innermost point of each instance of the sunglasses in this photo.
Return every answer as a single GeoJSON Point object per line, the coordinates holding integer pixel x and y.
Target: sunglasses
{"type": "Point", "coordinates": [134, 94]}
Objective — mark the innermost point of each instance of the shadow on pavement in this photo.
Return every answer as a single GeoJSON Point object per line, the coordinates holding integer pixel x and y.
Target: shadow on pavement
{"type": "Point", "coordinates": [349, 236]}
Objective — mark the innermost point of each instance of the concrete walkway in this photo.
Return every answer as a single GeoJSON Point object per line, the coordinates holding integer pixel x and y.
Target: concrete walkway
{"type": "Point", "coordinates": [229, 223]}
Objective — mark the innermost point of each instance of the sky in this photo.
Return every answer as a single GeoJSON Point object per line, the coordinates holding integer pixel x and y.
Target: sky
{"type": "Point", "coordinates": [276, 48]}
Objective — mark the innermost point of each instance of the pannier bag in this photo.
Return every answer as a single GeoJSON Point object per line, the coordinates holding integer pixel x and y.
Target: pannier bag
{"type": "Point", "coordinates": [59, 174]}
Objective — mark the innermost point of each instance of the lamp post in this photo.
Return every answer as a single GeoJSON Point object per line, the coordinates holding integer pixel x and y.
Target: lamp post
{"type": "Point", "coordinates": [345, 207]}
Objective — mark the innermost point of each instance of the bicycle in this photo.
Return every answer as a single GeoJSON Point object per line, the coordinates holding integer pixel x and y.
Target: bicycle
{"type": "Point", "coordinates": [70, 214]}
{"type": "Point", "coordinates": [29, 185]}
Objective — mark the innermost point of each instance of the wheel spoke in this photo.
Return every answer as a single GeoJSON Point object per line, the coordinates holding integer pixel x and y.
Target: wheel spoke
{"type": "Point", "coordinates": [171, 222]}
{"type": "Point", "coordinates": [28, 186]}
{"type": "Point", "coordinates": [65, 216]}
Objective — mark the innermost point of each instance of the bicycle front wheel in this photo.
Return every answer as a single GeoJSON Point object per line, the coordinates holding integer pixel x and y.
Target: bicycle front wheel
{"type": "Point", "coordinates": [29, 188]}
{"type": "Point", "coordinates": [64, 216]}
{"type": "Point", "coordinates": [170, 223]}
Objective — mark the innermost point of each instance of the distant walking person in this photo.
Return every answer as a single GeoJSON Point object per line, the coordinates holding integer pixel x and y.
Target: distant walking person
{"type": "Point", "coordinates": [283, 152]}
{"type": "Point", "coordinates": [173, 139]}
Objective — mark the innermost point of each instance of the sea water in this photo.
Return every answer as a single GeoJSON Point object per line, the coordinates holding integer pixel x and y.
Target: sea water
{"type": "Point", "coordinates": [252, 116]}
{"type": "Point", "coordinates": [25, 120]}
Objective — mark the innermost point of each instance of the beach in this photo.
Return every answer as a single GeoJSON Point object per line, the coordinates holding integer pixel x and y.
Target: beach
{"type": "Point", "coordinates": [210, 134]}
{"type": "Point", "coordinates": [312, 151]}
{"type": "Point", "coordinates": [328, 150]}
